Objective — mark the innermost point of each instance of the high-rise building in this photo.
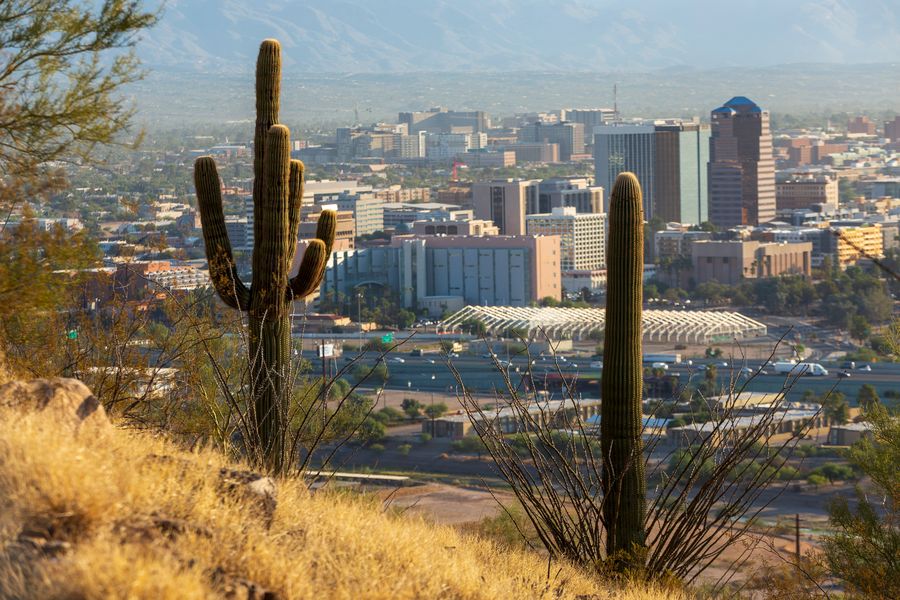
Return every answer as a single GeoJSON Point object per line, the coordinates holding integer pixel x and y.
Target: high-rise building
{"type": "Point", "coordinates": [892, 129]}
{"type": "Point", "coordinates": [505, 202]}
{"type": "Point", "coordinates": [567, 191]}
{"type": "Point", "coordinates": [442, 120]}
{"type": "Point", "coordinates": [669, 159]}
{"type": "Point", "coordinates": [569, 136]}
{"type": "Point", "coordinates": [589, 117]}
{"type": "Point", "coordinates": [582, 236]}
{"type": "Point", "coordinates": [620, 148]}
{"type": "Point", "coordinates": [861, 125]}
{"type": "Point", "coordinates": [680, 191]}
{"type": "Point", "coordinates": [741, 166]}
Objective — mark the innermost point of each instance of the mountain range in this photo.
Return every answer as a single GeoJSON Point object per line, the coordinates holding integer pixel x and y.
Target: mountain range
{"type": "Point", "coordinates": [391, 36]}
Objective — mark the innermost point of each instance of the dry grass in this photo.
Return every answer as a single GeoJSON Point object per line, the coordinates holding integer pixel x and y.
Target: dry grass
{"type": "Point", "coordinates": [100, 496]}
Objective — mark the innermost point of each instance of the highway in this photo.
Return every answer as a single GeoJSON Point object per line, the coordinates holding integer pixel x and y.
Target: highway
{"type": "Point", "coordinates": [481, 375]}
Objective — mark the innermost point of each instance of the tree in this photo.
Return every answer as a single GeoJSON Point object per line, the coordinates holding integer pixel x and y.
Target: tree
{"type": "Point", "coordinates": [834, 472]}
{"type": "Point", "coordinates": [864, 547]}
{"type": "Point", "coordinates": [371, 430]}
{"type": "Point", "coordinates": [434, 411]}
{"type": "Point", "coordinates": [411, 407]}
{"type": "Point", "coordinates": [405, 318]}
{"type": "Point", "coordinates": [867, 397]}
{"type": "Point", "coordinates": [62, 67]}
{"type": "Point", "coordinates": [377, 375]}
{"type": "Point", "coordinates": [549, 301]}
{"type": "Point", "coordinates": [816, 480]}
{"type": "Point", "coordinates": [61, 72]}
{"type": "Point", "coordinates": [859, 327]}
{"type": "Point", "coordinates": [836, 408]}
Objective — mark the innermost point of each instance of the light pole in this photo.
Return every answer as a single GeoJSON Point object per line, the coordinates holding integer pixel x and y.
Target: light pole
{"type": "Point", "coordinates": [433, 432]}
{"type": "Point", "coordinates": [359, 319]}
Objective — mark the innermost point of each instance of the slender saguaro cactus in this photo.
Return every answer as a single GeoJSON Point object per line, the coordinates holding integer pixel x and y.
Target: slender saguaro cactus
{"type": "Point", "coordinates": [277, 195]}
{"type": "Point", "coordinates": [623, 482]}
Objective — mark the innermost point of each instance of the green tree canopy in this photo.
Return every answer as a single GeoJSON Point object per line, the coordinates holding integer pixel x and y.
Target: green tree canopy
{"type": "Point", "coordinates": [62, 68]}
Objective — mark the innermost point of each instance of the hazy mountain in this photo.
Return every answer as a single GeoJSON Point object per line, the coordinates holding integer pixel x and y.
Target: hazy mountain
{"type": "Point", "coordinates": [353, 36]}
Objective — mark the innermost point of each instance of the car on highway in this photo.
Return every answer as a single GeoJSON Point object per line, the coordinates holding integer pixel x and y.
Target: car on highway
{"type": "Point", "coordinates": [866, 368]}
{"type": "Point", "coordinates": [660, 365]}
{"type": "Point", "coordinates": [843, 374]}
{"type": "Point", "coordinates": [398, 359]}
{"type": "Point", "coordinates": [747, 371]}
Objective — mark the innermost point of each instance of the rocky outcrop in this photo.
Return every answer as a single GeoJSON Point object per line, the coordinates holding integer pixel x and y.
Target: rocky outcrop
{"type": "Point", "coordinates": [68, 400]}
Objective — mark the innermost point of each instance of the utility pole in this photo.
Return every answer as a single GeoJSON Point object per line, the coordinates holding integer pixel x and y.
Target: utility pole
{"type": "Point", "coordinates": [797, 537]}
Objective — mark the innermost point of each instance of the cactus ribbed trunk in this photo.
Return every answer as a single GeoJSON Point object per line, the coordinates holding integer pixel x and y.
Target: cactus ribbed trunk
{"type": "Point", "coordinates": [269, 321]}
{"type": "Point", "coordinates": [623, 481]}
{"type": "Point", "coordinates": [277, 197]}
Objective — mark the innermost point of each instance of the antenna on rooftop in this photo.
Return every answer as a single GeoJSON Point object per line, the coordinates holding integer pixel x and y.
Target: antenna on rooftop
{"type": "Point", "coordinates": [615, 102]}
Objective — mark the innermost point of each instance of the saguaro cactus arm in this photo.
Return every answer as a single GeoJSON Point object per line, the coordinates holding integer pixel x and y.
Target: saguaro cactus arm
{"type": "Point", "coordinates": [315, 259]}
{"type": "Point", "coordinates": [310, 273]}
{"type": "Point", "coordinates": [295, 204]}
{"type": "Point", "coordinates": [222, 269]}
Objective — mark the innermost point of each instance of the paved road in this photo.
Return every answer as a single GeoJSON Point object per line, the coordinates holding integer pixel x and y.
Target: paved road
{"type": "Point", "coordinates": [437, 458]}
{"type": "Point", "coordinates": [432, 373]}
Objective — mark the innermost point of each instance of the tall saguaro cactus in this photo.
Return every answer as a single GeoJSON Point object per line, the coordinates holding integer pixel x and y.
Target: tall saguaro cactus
{"type": "Point", "coordinates": [620, 426]}
{"type": "Point", "coordinates": [277, 195]}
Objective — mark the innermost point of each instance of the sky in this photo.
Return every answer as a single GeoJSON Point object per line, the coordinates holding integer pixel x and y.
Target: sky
{"type": "Point", "coordinates": [402, 36]}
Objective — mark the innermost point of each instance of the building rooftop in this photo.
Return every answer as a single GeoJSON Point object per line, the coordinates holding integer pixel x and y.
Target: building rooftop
{"type": "Point", "coordinates": [688, 326]}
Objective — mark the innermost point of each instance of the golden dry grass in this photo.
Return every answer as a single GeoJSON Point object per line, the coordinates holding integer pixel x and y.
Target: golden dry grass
{"type": "Point", "coordinates": [99, 493]}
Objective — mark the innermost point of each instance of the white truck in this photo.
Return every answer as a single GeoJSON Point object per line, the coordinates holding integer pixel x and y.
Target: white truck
{"type": "Point", "coordinates": [804, 368]}
{"type": "Point", "coordinates": [672, 359]}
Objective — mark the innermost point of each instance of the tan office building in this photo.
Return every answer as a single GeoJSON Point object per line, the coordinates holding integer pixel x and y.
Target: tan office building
{"type": "Point", "coordinates": [805, 192]}
{"type": "Point", "coordinates": [504, 202]}
{"type": "Point", "coordinates": [729, 262]}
